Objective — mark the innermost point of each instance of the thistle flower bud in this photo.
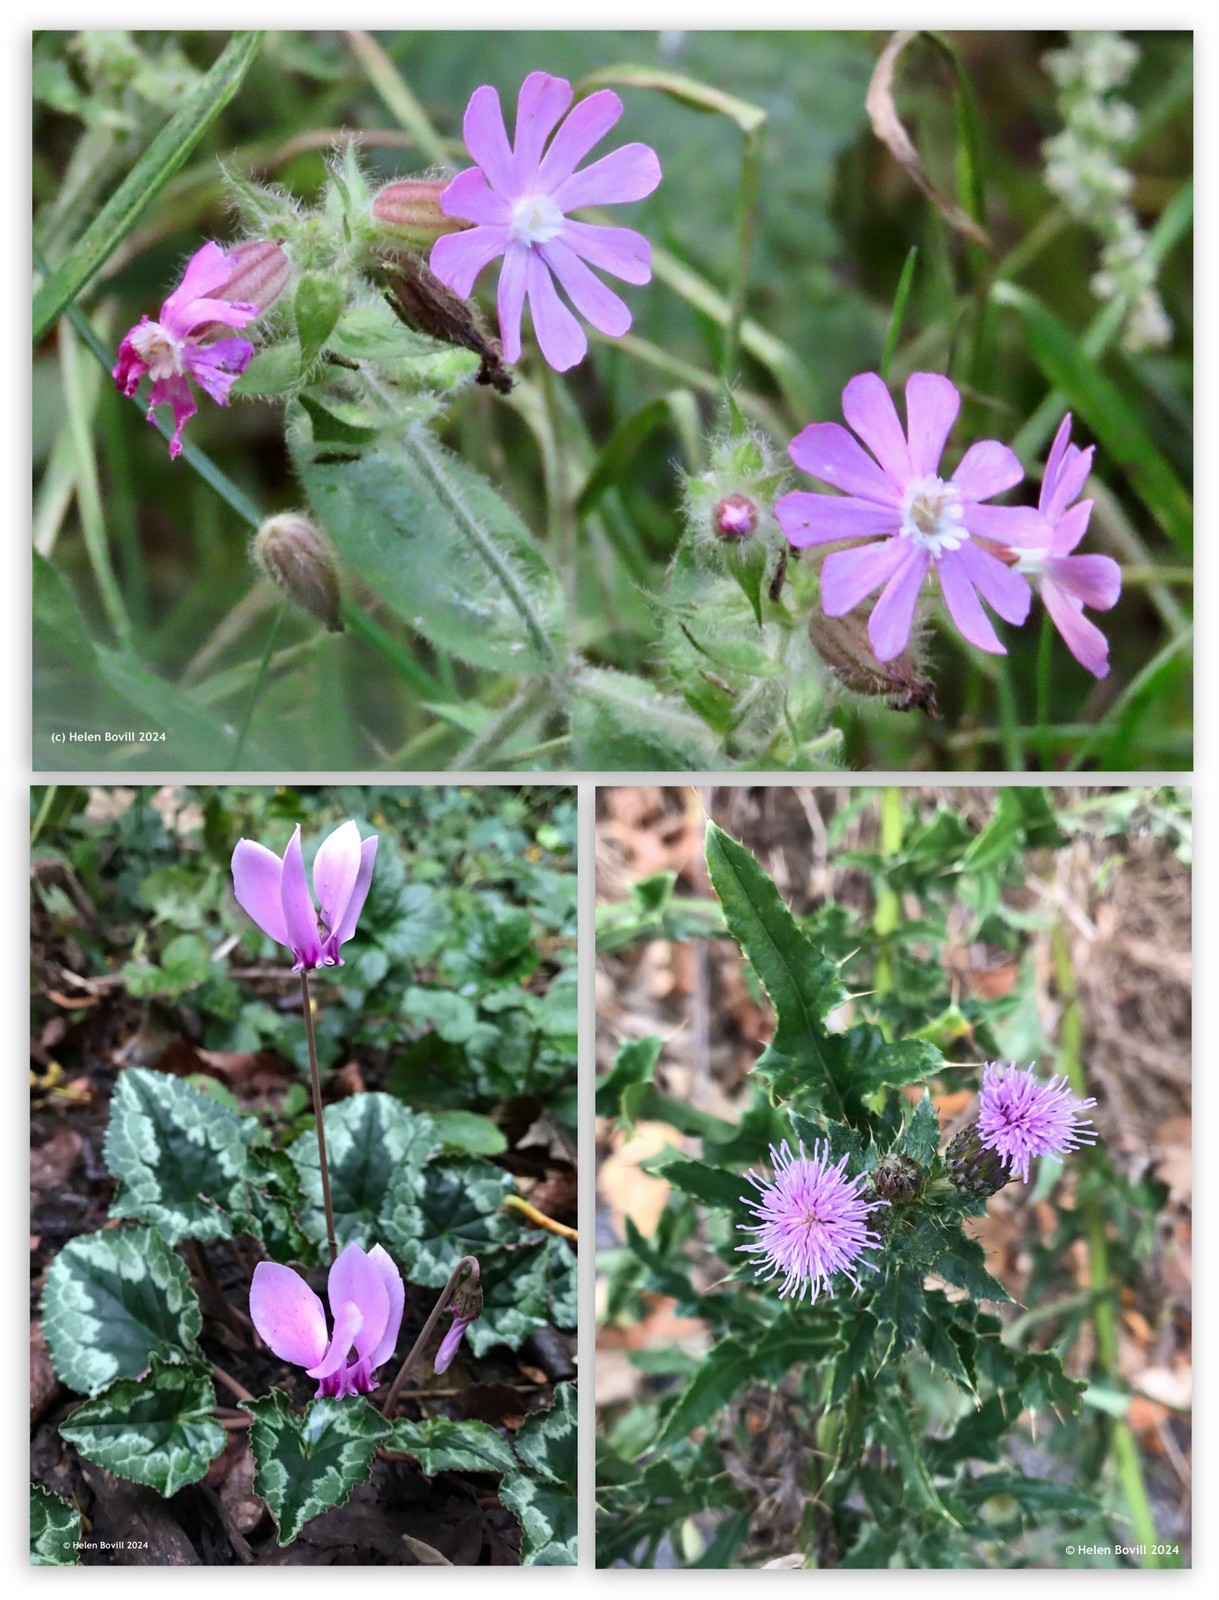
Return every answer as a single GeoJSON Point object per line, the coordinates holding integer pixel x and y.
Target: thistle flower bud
{"type": "Point", "coordinates": [842, 643]}
{"type": "Point", "coordinates": [898, 1178]}
{"type": "Point", "coordinates": [410, 208]}
{"type": "Point", "coordinates": [299, 560]}
{"type": "Point", "coordinates": [735, 517]}
{"type": "Point", "coordinates": [260, 273]}
{"type": "Point", "coordinates": [974, 1167]}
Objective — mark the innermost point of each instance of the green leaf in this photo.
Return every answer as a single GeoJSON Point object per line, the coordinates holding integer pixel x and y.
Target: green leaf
{"type": "Point", "coordinates": [963, 1262]}
{"type": "Point", "coordinates": [469, 1131]}
{"type": "Point", "coordinates": [452, 1210]}
{"type": "Point", "coordinates": [317, 307]}
{"type": "Point", "coordinates": [440, 1444]}
{"type": "Point", "coordinates": [440, 547]}
{"type": "Point", "coordinates": [55, 1529]}
{"type": "Point", "coordinates": [622, 722]}
{"type": "Point", "coordinates": [898, 314]}
{"type": "Point", "coordinates": [374, 1146]}
{"type": "Point", "coordinates": [1038, 1496]}
{"type": "Point", "coordinates": [179, 1157]}
{"type": "Point", "coordinates": [164, 156]}
{"type": "Point", "coordinates": [712, 1185]}
{"type": "Point", "coordinates": [158, 1430]}
{"type": "Point", "coordinates": [547, 1440]}
{"type": "Point", "coordinates": [112, 1301]}
{"type": "Point", "coordinates": [834, 1071]}
{"type": "Point", "coordinates": [543, 1497]}
{"type": "Point", "coordinates": [527, 1288]}
{"type": "Point", "coordinates": [921, 1140]}
{"type": "Point", "coordinates": [306, 1465]}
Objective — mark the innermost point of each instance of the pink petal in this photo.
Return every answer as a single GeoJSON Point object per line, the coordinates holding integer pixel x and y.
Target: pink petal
{"type": "Point", "coordinates": [395, 1291]}
{"type": "Point", "coordinates": [1001, 586]}
{"type": "Point", "coordinates": [628, 173]}
{"type": "Point", "coordinates": [868, 407]}
{"type": "Point", "coordinates": [470, 197]}
{"type": "Point", "coordinates": [257, 874]}
{"type": "Point", "coordinates": [208, 269]}
{"type": "Point", "coordinates": [587, 125]}
{"type": "Point", "coordinates": [540, 104]}
{"type": "Point", "coordinates": [216, 367]}
{"type": "Point", "coordinates": [510, 299]}
{"type": "Point", "coordinates": [1021, 527]}
{"type": "Point", "coordinates": [288, 1315]}
{"type": "Point", "coordinates": [359, 893]}
{"type": "Point", "coordinates": [592, 299]}
{"type": "Point", "coordinates": [458, 258]}
{"type": "Point", "coordinates": [356, 1280]}
{"type": "Point", "coordinates": [334, 872]}
{"type": "Point", "coordinates": [809, 519]}
{"type": "Point", "coordinates": [300, 919]}
{"type": "Point", "coordinates": [486, 140]}
{"type": "Point", "coordinates": [986, 469]}
{"type": "Point", "coordinates": [559, 335]}
{"type": "Point", "coordinates": [348, 1321]}
{"type": "Point", "coordinates": [1071, 527]}
{"type": "Point", "coordinates": [1094, 581]}
{"type": "Point", "coordinates": [964, 606]}
{"type": "Point", "coordinates": [1071, 477]}
{"type": "Point", "coordinates": [932, 404]}
{"type": "Point", "coordinates": [175, 393]}
{"type": "Point", "coordinates": [1054, 461]}
{"type": "Point", "coordinates": [825, 450]}
{"type": "Point", "coordinates": [891, 619]}
{"type": "Point", "coordinates": [450, 1345]}
{"type": "Point", "coordinates": [130, 366]}
{"type": "Point", "coordinates": [1082, 637]}
{"type": "Point", "coordinates": [620, 251]}
{"type": "Point", "coordinates": [848, 576]}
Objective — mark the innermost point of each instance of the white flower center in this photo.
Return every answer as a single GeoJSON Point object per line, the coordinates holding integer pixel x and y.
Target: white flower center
{"type": "Point", "coordinates": [535, 220]}
{"type": "Point", "coordinates": [931, 516]}
{"type": "Point", "coordinates": [1031, 562]}
{"type": "Point", "coordinates": [160, 352]}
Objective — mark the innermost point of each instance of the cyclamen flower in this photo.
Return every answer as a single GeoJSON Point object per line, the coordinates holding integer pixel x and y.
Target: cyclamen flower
{"type": "Point", "coordinates": [275, 893]}
{"type": "Point", "coordinates": [519, 199]}
{"type": "Point", "coordinates": [451, 1343]}
{"type": "Point", "coordinates": [176, 347]}
{"type": "Point", "coordinates": [916, 522]}
{"type": "Point", "coordinates": [1020, 1117]}
{"type": "Point", "coordinates": [812, 1222]}
{"type": "Point", "coordinates": [1068, 583]}
{"type": "Point", "coordinates": [366, 1297]}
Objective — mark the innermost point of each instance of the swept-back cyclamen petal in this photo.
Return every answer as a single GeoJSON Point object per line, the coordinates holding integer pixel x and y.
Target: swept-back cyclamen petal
{"type": "Point", "coordinates": [348, 1320]}
{"type": "Point", "coordinates": [335, 869]}
{"type": "Point", "coordinates": [300, 918]}
{"type": "Point", "coordinates": [356, 1280]}
{"type": "Point", "coordinates": [257, 878]}
{"type": "Point", "coordinates": [288, 1315]}
{"type": "Point", "coordinates": [395, 1292]}
{"type": "Point", "coordinates": [359, 893]}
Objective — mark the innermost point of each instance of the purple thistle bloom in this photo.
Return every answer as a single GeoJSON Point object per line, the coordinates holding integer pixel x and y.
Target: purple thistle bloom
{"type": "Point", "coordinates": [1068, 583]}
{"type": "Point", "coordinates": [518, 198]}
{"type": "Point", "coordinates": [812, 1222]}
{"type": "Point", "coordinates": [1020, 1117]}
{"type": "Point", "coordinates": [366, 1297]}
{"type": "Point", "coordinates": [915, 521]}
{"type": "Point", "coordinates": [171, 350]}
{"type": "Point", "coordinates": [275, 893]}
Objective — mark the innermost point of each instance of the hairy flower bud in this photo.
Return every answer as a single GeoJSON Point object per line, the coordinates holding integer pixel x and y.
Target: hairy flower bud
{"type": "Point", "coordinates": [410, 209]}
{"type": "Point", "coordinates": [843, 644]}
{"type": "Point", "coordinates": [260, 273]}
{"type": "Point", "coordinates": [296, 557]}
{"type": "Point", "coordinates": [897, 1178]}
{"type": "Point", "coordinates": [974, 1167]}
{"type": "Point", "coordinates": [419, 299]}
{"type": "Point", "coordinates": [735, 517]}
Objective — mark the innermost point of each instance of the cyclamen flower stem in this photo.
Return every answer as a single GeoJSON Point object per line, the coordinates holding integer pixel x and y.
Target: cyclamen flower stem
{"type": "Point", "coordinates": [317, 1116]}
{"type": "Point", "coordinates": [238, 1390]}
{"type": "Point", "coordinates": [467, 1265]}
{"type": "Point", "coordinates": [513, 1202]}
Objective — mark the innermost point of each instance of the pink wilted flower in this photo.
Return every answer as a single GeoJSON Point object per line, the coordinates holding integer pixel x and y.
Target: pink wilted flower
{"type": "Point", "coordinates": [519, 197]}
{"type": "Point", "coordinates": [275, 893]}
{"type": "Point", "coordinates": [1068, 582]}
{"type": "Point", "coordinates": [180, 345]}
{"type": "Point", "coordinates": [915, 521]}
{"type": "Point", "coordinates": [1020, 1117]}
{"type": "Point", "coordinates": [366, 1298]}
{"type": "Point", "coordinates": [812, 1222]}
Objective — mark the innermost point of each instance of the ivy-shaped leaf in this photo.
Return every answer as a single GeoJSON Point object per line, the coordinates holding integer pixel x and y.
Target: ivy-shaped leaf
{"type": "Point", "coordinates": [440, 1444]}
{"type": "Point", "coordinates": [304, 1465]}
{"type": "Point", "coordinates": [543, 1497]}
{"type": "Point", "coordinates": [374, 1144]}
{"type": "Point", "coordinates": [178, 1155]}
{"type": "Point", "coordinates": [112, 1301]}
{"type": "Point", "coordinates": [159, 1430]}
{"type": "Point", "coordinates": [55, 1529]}
{"type": "Point", "coordinates": [452, 1211]}
{"type": "Point", "coordinates": [531, 1286]}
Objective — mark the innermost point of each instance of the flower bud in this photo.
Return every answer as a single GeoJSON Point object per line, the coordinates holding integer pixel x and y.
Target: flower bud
{"type": "Point", "coordinates": [467, 1302]}
{"type": "Point", "coordinates": [897, 1178]}
{"type": "Point", "coordinates": [973, 1167]}
{"type": "Point", "coordinates": [260, 273]}
{"type": "Point", "coordinates": [419, 299]}
{"type": "Point", "coordinates": [410, 208]}
{"type": "Point", "coordinates": [735, 517]}
{"type": "Point", "coordinates": [296, 557]}
{"type": "Point", "coordinates": [842, 643]}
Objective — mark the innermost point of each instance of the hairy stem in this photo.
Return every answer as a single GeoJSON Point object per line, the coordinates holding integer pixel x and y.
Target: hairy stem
{"type": "Point", "coordinates": [317, 1115]}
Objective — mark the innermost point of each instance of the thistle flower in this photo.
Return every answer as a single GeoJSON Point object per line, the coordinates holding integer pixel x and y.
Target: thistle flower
{"type": "Point", "coordinates": [1067, 583]}
{"type": "Point", "coordinates": [275, 893]}
{"type": "Point", "coordinates": [1020, 1117]}
{"type": "Point", "coordinates": [518, 198]}
{"type": "Point", "coordinates": [177, 346]}
{"type": "Point", "coordinates": [366, 1297]}
{"type": "Point", "coordinates": [812, 1222]}
{"type": "Point", "coordinates": [916, 522]}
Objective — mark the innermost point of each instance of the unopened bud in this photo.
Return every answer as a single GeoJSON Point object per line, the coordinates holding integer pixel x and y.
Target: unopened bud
{"type": "Point", "coordinates": [467, 1302]}
{"type": "Point", "coordinates": [421, 301]}
{"type": "Point", "coordinates": [842, 643]}
{"type": "Point", "coordinates": [974, 1168]}
{"type": "Point", "coordinates": [735, 517]}
{"type": "Point", "coordinates": [296, 557]}
{"type": "Point", "coordinates": [410, 208]}
{"type": "Point", "coordinates": [260, 273]}
{"type": "Point", "coordinates": [897, 1178]}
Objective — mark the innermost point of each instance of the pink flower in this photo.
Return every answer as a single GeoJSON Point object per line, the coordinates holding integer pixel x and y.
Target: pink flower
{"type": "Point", "coordinates": [518, 198]}
{"type": "Point", "coordinates": [451, 1343]}
{"type": "Point", "coordinates": [915, 522]}
{"type": "Point", "coordinates": [1068, 583]}
{"type": "Point", "coordinates": [366, 1299]}
{"type": "Point", "coordinates": [275, 893]}
{"type": "Point", "coordinates": [1020, 1117]}
{"type": "Point", "coordinates": [172, 350]}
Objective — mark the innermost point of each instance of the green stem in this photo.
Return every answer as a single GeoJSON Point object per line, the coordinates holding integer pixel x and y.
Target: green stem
{"type": "Point", "coordinates": [1045, 658]}
{"type": "Point", "coordinates": [467, 1265]}
{"type": "Point", "coordinates": [318, 1119]}
{"type": "Point", "coordinates": [256, 691]}
{"type": "Point", "coordinates": [474, 757]}
{"type": "Point", "coordinates": [747, 216]}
